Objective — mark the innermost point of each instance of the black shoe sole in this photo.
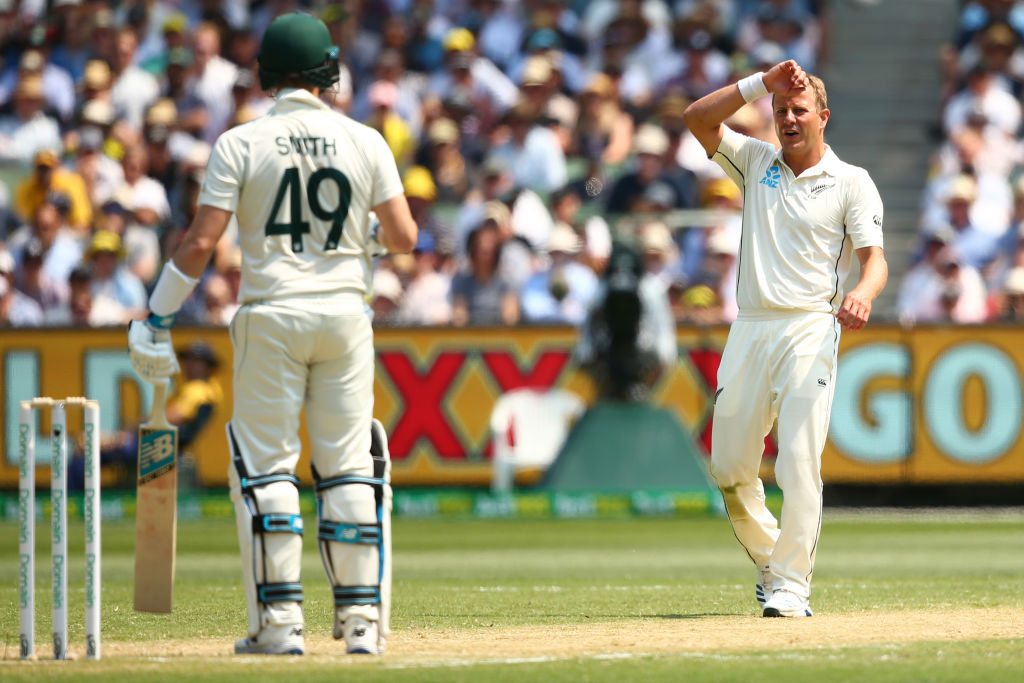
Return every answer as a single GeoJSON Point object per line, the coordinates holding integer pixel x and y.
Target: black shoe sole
{"type": "Point", "coordinates": [771, 612]}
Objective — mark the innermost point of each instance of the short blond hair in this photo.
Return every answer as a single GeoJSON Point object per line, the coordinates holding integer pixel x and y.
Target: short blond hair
{"type": "Point", "coordinates": [818, 88]}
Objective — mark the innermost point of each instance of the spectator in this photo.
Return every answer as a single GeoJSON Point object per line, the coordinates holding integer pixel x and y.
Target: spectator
{"type": "Point", "coordinates": [976, 246]}
{"type": "Point", "coordinates": [659, 253]}
{"type": "Point", "coordinates": [60, 248]}
{"type": "Point", "coordinates": [604, 130]}
{"type": "Point", "coordinates": [1000, 107]}
{"type": "Point", "coordinates": [16, 309]}
{"type": "Point", "coordinates": [421, 193]}
{"type": "Point", "coordinates": [27, 128]}
{"type": "Point", "coordinates": [382, 97]}
{"type": "Point", "coordinates": [33, 281]}
{"type": "Point", "coordinates": [564, 292]}
{"type": "Point", "coordinates": [1011, 300]}
{"type": "Point", "coordinates": [943, 288]}
{"type": "Point", "coordinates": [134, 89]}
{"type": "Point", "coordinates": [490, 90]}
{"type": "Point", "coordinates": [58, 88]}
{"type": "Point", "coordinates": [212, 80]}
{"type": "Point", "coordinates": [533, 152]}
{"type": "Point", "coordinates": [441, 156]}
{"type": "Point", "coordinates": [49, 177]}
{"type": "Point", "coordinates": [100, 174]}
{"type": "Point", "coordinates": [111, 280]}
{"type": "Point", "coordinates": [427, 298]}
{"type": "Point", "coordinates": [387, 296]}
{"type": "Point", "coordinates": [79, 311]}
{"type": "Point", "coordinates": [480, 296]}
{"type": "Point", "coordinates": [198, 396]}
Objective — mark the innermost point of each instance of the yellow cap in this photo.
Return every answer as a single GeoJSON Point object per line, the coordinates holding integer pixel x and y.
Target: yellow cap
{"type": "Point", "coordinates": [419, 183]}
{"type": "Point", "coordinates": [459, 39]}
{"type": "Point", "coordinates": [104, 240]}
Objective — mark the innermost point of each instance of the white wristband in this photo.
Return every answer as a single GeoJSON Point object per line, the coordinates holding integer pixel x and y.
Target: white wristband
{"type": "Point", "coordinates": [171, 290]}
{"type": "Point", "coordinates": [752, 87]}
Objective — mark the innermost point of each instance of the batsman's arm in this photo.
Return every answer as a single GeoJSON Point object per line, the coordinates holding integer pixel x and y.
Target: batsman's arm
{"type": "Point", "coordinates": [398, 231]}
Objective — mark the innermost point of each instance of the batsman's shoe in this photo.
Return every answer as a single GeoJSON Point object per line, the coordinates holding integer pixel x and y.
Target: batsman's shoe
{"type": "Point", "coordinates": [360, 636]}
{"type": "Point", "coordinates": [763, 587]}
{"type": "Point", "coordinates": [279, 640]}
{"type": "Point", "coordinates": [786, 604]}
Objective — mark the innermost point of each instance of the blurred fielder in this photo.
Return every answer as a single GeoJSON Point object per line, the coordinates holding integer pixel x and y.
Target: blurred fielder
{"type": "Point", "coordinates": [302, 181]}
{"type": "Point", "coordinates": [804, 213]}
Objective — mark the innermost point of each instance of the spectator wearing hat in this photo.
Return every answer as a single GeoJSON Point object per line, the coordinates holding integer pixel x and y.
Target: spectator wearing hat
{"type": "Point", "coordinates": [550, 43]}
{"type": "Point", "coordinates": [198, 395]}
{"type": "Point", "coordinates": [97, 80]}
{"type": "Point", "coordinates": [490, 90]}
{"type": "Point", "coordinates": [149, 202]}
{"type": "Point", "coordinates": [60, 248]}
{"type": "Point", "coordinates": [248, 98]}
{"type": "Point", "coordinates": [997, 47]}
{"type": "Point", "coordinates": [48, 176]}
{"type": "Point", "coordinates": [27, 128]}
{"type": "Point", "coordinates": [58, 87]}
{"type": "Point", "coordinates": [441, 155]}
{"type": "Point", "coordinates": [16, 308]}
{"type": "Point", "coordinates": [32, 280]}
{"type": "Point", "coordinates": [720, 269]}
{"type": "Point", "coordinates": [976, 245]}
{"type": "Point", "coordinates": [111, 279]}
{"type": "Point", "coordinates": [1010, 299]}
{"type": "Point", "coordinates": [409, 86]}
{"type": "Point", "coordinates": [659, 252]}
{"type": "Point", "coordinates": [695, 66]}
{"type": "Point", "coordinates": [722, 196]}
{"type": "Point", "coordinates": [669, 115]}
{"type": "Point", "coordinates": [191, 113]}
{"type": "Point", "coordinates": [501, 32]}
{"type": "Point", "coordinates": [563, 292]}
{"type": "Point", "coordinates": [165, 34]}
{"type": "Point", "coordinates": [421, 193]}
{"type": "Point", "coordinates": [386, 297]}
{"type": "Point", "coordinates": [134, 88]}
{"type": "Point", "coordinates": [480, 294]}
{"type": "Point", "coordinates": [789, 23]}
{"type": "Point", "coordinates": [532, 152]}
{"type": "Point", "coordinates": [604, 130]}
{"type": "Point", "coordinates": [650, 145]}
{"type": "Point", "coordinates": [493, 181]}
{"type": "Point", "coordinates": [100, 174]}
{"type": "Point", "coordinates": [942, 287]}
{"type": "Point", "coordinates": [427, 298]}
{"type": "Point", "coordinates": [74, 47]}
{"type": "Point", "coordinates": [79, 311]}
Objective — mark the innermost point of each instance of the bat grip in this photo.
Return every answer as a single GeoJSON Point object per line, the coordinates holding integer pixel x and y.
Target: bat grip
{"type": "Point", "coordinates": [158, 415]}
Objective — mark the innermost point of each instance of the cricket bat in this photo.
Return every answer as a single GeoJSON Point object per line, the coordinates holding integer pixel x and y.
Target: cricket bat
{"type": "Point", "coordinates": [156, 511]}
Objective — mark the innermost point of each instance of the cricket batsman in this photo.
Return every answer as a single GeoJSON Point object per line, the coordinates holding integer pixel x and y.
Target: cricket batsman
{"type": "Point", "coordinates": [301, 181]}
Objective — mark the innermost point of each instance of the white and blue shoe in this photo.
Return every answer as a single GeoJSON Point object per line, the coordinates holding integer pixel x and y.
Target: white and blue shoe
{"type": "Point", "coordinates": [786, 604]}
{"type": "Point", "coordinates": [360, 636]}
{"type": "Point", "coordinates": [763, 587]}
{"type": "Point", "coordinates": [280, 640]}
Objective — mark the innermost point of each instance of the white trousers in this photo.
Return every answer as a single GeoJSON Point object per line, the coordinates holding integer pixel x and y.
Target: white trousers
{"type": "Point", "coordinates": [782, 367]}
{"type": "Point", "coordinates": [288, 361]}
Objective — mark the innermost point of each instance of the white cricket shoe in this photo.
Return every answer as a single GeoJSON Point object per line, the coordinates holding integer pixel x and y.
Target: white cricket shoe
{"type": "Point", "coordinates": [786, 604]}
{"type": "Point", "coordinates": [360, 636]}
{"type": "Point", "coordinates": [763, 587]}
{"type": "Point", "coordinates": [287, 639]}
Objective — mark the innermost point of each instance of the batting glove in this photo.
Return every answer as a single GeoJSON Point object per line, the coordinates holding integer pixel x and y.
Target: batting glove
{"type": "Point", "coordinates": [151, 352]}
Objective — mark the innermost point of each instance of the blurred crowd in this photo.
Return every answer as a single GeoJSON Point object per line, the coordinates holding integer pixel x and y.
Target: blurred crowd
{"type": "Point", "coordinates": [530, 134]}
{"type": "Point", "coordinates": [968, 263]}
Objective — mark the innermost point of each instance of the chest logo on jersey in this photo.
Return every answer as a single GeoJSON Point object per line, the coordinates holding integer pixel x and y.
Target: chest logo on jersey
{"type": "Point", "coordinates": [821, 187]}
{"type": "Point", "coordinates": [771, 176]}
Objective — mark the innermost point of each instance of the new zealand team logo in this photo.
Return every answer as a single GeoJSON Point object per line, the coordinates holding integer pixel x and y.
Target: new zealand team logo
{"type": "Point", "coordinates": [771, 176]}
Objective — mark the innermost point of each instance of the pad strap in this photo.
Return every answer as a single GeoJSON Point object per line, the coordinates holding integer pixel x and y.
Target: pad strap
{"type": "Point", "coordinates": [342, 481]}
{"type": "Point", "coordinates": [279, 592]}
{"type": "Point", "coordinates": [248, 483]}
{"type": "Point", "coordinates": [277, 523]}
{"type": "Point", "coordinates": [368, 534]}
{"type": "Point", "coordinates": [356, 595]}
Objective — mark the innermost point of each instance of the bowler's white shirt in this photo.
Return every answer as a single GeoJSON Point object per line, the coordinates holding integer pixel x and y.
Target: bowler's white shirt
{"type": "Point", "coordinates": [248, 174]}
{"type": "Point", "coordinates": [799, 233]}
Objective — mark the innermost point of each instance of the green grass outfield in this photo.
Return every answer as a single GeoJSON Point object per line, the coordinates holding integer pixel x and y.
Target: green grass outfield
{"type": "Point", "coordinates": [931, 595]}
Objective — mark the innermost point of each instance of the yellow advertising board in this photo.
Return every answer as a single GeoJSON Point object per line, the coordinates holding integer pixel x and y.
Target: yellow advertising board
{"type": "Point", "coordinates": [928, 405]}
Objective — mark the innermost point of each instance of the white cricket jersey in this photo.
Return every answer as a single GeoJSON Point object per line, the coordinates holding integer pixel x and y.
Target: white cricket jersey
{"type": "Point", "coordinates": [799, 233]}
{"type": "Point", "coordinates": [301, 181]}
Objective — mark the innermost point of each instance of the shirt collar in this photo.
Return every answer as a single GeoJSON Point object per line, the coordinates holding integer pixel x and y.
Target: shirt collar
{"type": "Point", "coordinates": [829, 163]}
{"type": "Point", "coordinates": [289, 99]}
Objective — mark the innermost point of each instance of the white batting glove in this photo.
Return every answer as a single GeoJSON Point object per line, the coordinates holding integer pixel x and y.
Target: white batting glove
{"type": "Point", "coordinates": [373, 246]}
{"type": "Point", "coordinates": [151, 352]}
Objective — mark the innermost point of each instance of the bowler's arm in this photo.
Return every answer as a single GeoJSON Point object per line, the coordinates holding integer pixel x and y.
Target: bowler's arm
{"type": "Point", "coordinates": [874, 271]}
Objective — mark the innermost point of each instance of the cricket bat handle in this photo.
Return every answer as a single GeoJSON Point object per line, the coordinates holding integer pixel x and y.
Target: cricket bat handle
{"type": "Point", "coordinates": [158, 414]}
